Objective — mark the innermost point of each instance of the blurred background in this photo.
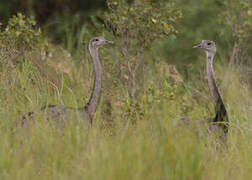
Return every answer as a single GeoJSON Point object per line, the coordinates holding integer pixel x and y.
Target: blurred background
{"type": "Point", "coordinates": [65, 20]}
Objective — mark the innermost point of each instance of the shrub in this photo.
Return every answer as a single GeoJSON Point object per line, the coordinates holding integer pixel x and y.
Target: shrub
{"type": "Point", "coordinates": [137, 25]}
{"type": "Point", "coordinates": [19, 36]}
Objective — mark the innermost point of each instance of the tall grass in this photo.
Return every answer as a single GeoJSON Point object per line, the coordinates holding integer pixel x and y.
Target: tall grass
{"type": "Point", "coordinates": [145, 139]}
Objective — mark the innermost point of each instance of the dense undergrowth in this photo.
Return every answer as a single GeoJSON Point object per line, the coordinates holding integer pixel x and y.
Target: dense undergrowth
{"type": "Point", "coordinates": [137, 133]}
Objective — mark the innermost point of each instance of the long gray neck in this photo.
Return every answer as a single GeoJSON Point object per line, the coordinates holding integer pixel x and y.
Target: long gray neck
{"type": "Point", "coordinates": [220, 109]}
{"type": "Point", "coordinates": [211, 77]}
{"type": "Point", "coordinates": [96, 92]}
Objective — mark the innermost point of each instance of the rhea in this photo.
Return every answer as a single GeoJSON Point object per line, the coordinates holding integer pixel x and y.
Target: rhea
{"type": "Point", "coordinates": [221, 117]}
{"type": "Point", "coordinates": [88, 111]}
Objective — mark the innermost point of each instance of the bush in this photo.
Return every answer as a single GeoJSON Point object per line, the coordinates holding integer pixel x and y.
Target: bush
{"type": "Point", "coordinates": [137, 26]}
{"type": "Point", "coordinates": [238, 18]}
{"type": "Point", "coordinates": [19, 37]}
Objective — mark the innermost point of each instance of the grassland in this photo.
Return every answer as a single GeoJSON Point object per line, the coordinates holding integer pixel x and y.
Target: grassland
{"type": "Point", "coordinates": [133, 137]}
{"type": "Point", "coordinates": [129, 140]}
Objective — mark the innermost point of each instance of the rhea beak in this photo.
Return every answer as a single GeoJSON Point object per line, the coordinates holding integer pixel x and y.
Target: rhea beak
{"type": "Point", "coordinates": [109, 42]}
{"type": "Point", "coordinates": [198, 46]}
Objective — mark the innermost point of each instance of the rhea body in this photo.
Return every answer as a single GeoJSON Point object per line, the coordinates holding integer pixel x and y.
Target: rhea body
{"type": "Point", "coordinates": [88, 111]}
{"type": "Point", "coordinates": [221, 117]}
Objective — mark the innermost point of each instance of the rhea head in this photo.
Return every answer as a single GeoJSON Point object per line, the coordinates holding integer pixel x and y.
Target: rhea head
{"type": "Point", "coordinates": [96, 42]}
{"type": "Point", "coordinates": [208, 45]}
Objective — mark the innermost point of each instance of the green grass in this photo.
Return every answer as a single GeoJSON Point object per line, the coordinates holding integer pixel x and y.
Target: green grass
{"type": "Point", "coordinates": [139, 139]}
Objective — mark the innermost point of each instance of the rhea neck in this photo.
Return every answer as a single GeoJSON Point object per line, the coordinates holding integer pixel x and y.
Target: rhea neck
{"type": "Point", "coordinates": [96, 91]}
{"type": "Point", "coordinates": [210, 75]}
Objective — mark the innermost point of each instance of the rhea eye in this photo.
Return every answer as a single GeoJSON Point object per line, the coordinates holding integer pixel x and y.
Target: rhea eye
{"type": "Point", "coordinates": [96, 39]}
{"type": "Point", "coordinates": [209, 44]}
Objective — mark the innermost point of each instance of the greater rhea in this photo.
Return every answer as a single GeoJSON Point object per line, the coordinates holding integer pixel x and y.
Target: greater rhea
{"type": "Point", "coordinates": [88, 111]}
{"type": "Point", "coordinates": [221, 117]}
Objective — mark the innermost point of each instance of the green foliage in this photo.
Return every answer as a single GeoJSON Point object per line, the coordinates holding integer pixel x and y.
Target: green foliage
{"type": "Point", "coordinates": [238, 16]}
{"type": "Point", "coordinates": [199, 22]}
{"type": "Point", "coordinates": [23, 30]}
{"type": "Point", "coordinates": [142, 22]}
{"type": "Point", "coordinates": [136, 26]}
{"type": "Point", "coordinates": [19, 36]}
